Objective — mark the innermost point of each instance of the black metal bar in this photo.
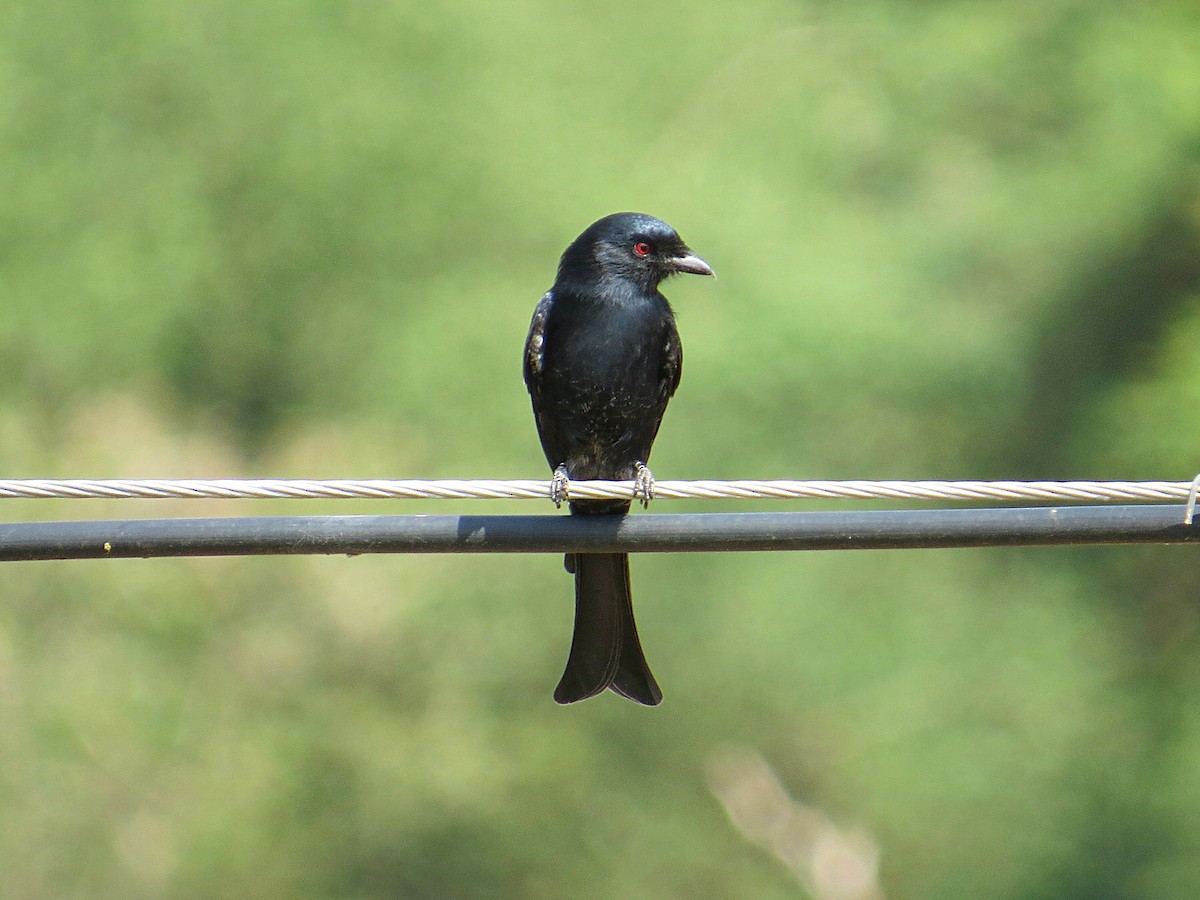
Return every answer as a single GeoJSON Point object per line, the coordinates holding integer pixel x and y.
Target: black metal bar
{"type": "Point", "coordinates": [705, 532]}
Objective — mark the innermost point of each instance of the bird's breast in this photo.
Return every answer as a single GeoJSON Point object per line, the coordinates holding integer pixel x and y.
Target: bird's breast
{"type": "Point", "coordinates": [606, 344]}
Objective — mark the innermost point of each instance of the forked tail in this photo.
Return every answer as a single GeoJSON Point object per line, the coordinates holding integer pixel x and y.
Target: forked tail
{"type": "Point", "coordinates": [605, 650]}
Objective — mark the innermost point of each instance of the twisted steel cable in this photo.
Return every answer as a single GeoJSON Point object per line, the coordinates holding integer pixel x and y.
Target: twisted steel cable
{"type": "Point", "coordinates": [534, 489]}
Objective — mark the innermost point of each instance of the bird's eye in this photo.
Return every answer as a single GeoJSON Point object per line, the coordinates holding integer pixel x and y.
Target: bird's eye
{"type": "Point", "coordinates": [641, 248]}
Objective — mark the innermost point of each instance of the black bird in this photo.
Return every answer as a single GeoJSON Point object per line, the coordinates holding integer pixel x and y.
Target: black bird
{"type": "Point", "coordinates": [601, 361]}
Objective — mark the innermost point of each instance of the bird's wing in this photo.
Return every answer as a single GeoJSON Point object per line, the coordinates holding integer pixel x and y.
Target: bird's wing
{"type": "Point", "coordinates": [534, 352]}
{"type": "Point", "coordinates": [672, 365]}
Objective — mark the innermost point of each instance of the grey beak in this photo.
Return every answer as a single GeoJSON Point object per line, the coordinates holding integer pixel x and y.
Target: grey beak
{"type": "Point", "coordinates": [691, 263]}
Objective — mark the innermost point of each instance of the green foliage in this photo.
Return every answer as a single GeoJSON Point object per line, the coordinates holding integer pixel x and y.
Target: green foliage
{"type": "Point", "coordinates": [953, 240]}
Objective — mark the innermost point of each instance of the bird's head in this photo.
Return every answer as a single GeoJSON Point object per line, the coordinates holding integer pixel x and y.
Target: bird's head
{"type": "Point", "coordinates": [629, 246]}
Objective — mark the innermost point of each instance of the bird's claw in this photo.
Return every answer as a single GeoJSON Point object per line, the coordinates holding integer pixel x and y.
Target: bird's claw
{"type": "Point", "coordinates": [560, 486]}
{"type": "Point", "coordinates": [643, 485]}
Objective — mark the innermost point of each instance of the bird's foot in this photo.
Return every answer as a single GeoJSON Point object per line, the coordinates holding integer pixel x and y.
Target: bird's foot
{"type": "Point", "coordinates": [560, 486]}
{"type": "Point", "coordinates": [643, 484]}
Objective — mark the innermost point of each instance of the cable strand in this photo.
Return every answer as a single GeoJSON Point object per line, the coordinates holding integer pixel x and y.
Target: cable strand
{"type": "Point", "coordinates": [534, 489]}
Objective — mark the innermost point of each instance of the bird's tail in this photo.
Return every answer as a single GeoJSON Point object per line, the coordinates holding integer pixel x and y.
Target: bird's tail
{"type": "Point", "coordinates": [605, 650]}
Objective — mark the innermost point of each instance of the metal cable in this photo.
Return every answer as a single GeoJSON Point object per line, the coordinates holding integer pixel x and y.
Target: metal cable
{"type": "Point", "coordinates": [532, 489]}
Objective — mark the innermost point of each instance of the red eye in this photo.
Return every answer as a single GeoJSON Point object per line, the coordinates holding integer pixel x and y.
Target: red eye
{"type": "Point", "coordinates": [641, 248]}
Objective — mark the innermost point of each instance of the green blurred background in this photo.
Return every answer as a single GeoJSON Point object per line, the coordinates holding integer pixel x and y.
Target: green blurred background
{"type": "Point", "coordinates": [304, 240]}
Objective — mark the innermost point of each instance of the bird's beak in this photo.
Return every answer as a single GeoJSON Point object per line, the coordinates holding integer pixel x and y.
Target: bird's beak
{"type": "Point", "coordinates": [691, 263]}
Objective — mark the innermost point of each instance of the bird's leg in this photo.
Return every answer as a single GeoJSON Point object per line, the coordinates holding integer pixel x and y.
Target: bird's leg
{"type": "Point", "coordinates": [560, 485]}
{"type": "Point", "coordinates": [643, 484]}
